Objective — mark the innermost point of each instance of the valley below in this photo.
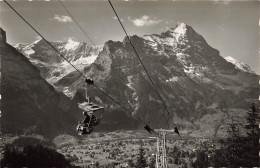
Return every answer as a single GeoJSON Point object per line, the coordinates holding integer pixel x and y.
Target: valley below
{"type": "Point", "coordinates": [120, 148]}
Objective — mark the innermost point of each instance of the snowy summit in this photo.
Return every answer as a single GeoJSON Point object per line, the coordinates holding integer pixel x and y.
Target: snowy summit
{"type": "Point", "coordinates": [71, 44]}
{"type": "Point", "coordinates": [239, 64]}
{"type": "Point", "coordinates": [180, 29]}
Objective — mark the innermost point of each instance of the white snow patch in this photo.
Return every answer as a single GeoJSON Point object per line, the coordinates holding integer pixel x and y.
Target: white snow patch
{"type": "Point", "coordinates": [180, 30]}
{"type": "Point", "coordinates": [71, 44]}
{"type": "Point", "coordinates": [239, 64]}
{"type": "Point", "coordinates": [33, 43]}
{"type": "Point", "coordinates": [130, 86]}
{"type": "Point", "coordinates": [166, 41]}
{"type": "Point", "coordinates": [188, 69]}
{"type": "Point", "coordinates": [173, 79]}
{"type": "Point", "coordinates": [151, 42]}
{"type": "Point", "coordinates": [29, 52]}
{"type": "Point", "coordinates": [85, 60]}
{"type": "Point", "coordinates": [182, 58]}
{"type": "Point", "coordinates": [148, 38]}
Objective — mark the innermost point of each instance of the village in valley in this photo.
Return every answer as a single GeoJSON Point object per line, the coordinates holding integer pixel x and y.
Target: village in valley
{"type": "Point", "coordinates": [122, 148]}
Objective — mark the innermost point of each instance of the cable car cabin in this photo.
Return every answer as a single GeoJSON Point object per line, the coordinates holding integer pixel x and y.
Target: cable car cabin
{"type": "Point", "coordinates": [93, 114]}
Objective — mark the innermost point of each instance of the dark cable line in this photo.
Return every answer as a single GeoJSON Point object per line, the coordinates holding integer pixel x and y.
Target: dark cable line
{"type": "Point", "coordinates": [119, 104]}
{"type": "Point", "coordinates": [84, 32]}
{"type": "Point", "coordinates": [72, 64]}
{"type": "Point", "coordinates": [141, 62]}
{"type": "Point", "coordinates": [67, 59]}
{"type": "Point", "coordinates": [43, 37]}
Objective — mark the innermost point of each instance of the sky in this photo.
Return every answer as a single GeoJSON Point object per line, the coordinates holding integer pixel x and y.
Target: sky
{"type": "Point", "coordinates": [232, 27]}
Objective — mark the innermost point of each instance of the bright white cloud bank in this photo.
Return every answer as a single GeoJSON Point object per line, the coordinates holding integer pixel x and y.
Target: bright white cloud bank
{"type": "Point", "coordinates": [145, 21]}
{"type": "Point", "coordinates": [62, 19]}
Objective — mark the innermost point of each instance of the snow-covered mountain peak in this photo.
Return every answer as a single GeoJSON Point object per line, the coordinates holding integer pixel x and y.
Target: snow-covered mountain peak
{"type": "Point", "coordinates": [231, 59]}
{"type": "Point", "coordinates": [37, 41]}
{"type": "Point", "coordinates": [239, 64]}
{"type": "Point", "coordinates": [71, 44]}
{"type": "Point", "coordinates": [181, 28]}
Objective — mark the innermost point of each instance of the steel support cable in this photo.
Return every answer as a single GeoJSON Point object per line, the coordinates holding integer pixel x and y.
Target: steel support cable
{"type": "Point", "coordinates": [165, 107]}
{"type": "Point", "coordinates": [43, 38]}
{"type": "Point", "coordinates": [93, 44]}
{"type": "Point", "coordinates": [69, 62]}
{"type": "Point", "coordinates": [84, 32]}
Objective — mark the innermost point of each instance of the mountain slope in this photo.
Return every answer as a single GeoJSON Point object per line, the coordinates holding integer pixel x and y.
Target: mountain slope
{"type": "Point", "coordinates": [29, 103]}
{"type": "Point", "coordinates": [201, 89]}
{"type": "Point", "coordinates": [191, 76]}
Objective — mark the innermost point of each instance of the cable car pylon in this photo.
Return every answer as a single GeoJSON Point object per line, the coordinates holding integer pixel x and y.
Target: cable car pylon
{"type": "Point", "coordinates": [161, 153]}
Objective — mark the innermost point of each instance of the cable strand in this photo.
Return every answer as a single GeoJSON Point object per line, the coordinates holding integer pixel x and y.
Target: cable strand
{"type": "Point", "coordinates": [84, 32]}
{"type": "Point", "coordinates": [64, 57]}
{"type": "Point", "coordinates": [165, 107]}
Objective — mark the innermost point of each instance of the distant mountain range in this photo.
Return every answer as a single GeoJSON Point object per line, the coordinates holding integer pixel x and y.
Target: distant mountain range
{"type": "Point", "coordinates": [202, 90]}
{"type": "Point", "coordinates": [52, 66]}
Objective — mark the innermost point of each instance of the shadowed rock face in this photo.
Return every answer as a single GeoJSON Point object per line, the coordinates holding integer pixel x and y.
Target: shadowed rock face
{"type": "Point", "coordinates": [29, 103]}
{"type": "Point", "coordinates": [201, 89]}
{"type": "Point", "coordinates": [191, 76]}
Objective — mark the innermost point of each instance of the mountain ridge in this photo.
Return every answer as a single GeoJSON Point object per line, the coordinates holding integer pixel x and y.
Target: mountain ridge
{"type": "Point", "coordinates": [191, 76]}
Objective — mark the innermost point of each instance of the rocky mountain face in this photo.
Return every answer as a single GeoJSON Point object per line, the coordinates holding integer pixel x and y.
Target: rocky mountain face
{"type": "Point", "coordinates": [29, 103]}
{"type": "Point", "coordinates": [52, 66]}
{"type": "Point", "coordinates": [201, 89]}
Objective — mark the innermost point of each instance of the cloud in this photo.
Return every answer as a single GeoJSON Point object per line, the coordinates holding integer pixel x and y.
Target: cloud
{"type": "Point", "coordinates": [62, 18]}
{"type": "Point", "coordinates": [225, 2]}
{"type": "Point", "coordinates": [145, 21]}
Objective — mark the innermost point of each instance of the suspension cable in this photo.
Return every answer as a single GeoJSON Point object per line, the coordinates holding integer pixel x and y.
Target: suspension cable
{"type": "Point", "coordinates": [165, 107]}
{"type": "Point", "coordinates": [69, 62]}
{"type": "Point", "coordinates": [73, 65]}
{"type": "Point", "coordinates": [84, 32]}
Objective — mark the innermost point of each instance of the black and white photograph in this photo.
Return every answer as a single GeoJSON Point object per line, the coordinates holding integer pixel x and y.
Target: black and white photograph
{"type": "Point", "coordinates": [129, 83]}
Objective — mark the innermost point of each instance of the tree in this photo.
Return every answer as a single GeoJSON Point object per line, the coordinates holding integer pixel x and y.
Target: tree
{"type": "Point", "coordinates": [252, 125]}
{"type": "Point", "coordinates": [152, 162]}
{"type": "Point", "coordinates": [131, 163]}
{"type": "Point", "coordinates": [202, 160]}
{"type": "Point", "coordinates": [33, 156]}
{"type": "Point", "coordinates": [97, 164]}
{"type": "Point", "coordinates": [141, 160]}
{"type": "Point", "coordinates": [234, 146]}
{"type": "Point", "coordinates": [218, 159]}
{"type": "Point", "coordinates": [251, 147]}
